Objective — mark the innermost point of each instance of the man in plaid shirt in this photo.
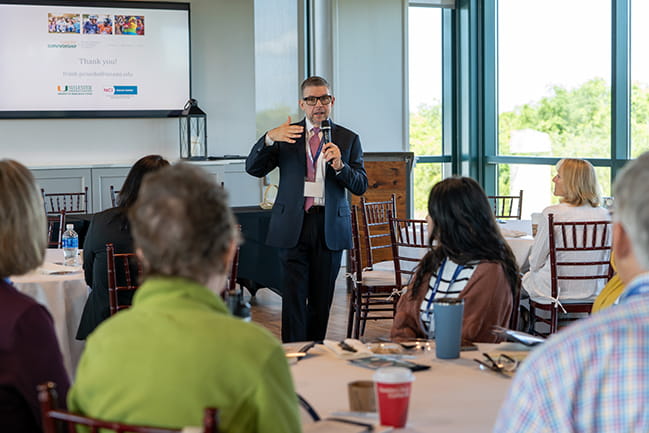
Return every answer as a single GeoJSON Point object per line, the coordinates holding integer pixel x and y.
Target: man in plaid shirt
{"type": "Point", "coordinates": [594, 376]}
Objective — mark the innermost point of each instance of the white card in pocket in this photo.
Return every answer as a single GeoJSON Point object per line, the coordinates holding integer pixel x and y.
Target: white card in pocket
{"type": "Point", "coordinates": [314, 189]}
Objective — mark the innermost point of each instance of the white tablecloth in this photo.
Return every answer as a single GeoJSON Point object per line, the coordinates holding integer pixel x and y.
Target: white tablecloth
{"type": "Point", "coordinates": [64, 296]}
{"type": "Point", "coordinates": [520, 245]}
{"type": "Point", "coordinates": [453, 396]}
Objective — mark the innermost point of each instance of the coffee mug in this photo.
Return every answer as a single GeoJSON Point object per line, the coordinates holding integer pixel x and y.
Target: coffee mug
{"type": "Point", "coordinates": [361, 396]}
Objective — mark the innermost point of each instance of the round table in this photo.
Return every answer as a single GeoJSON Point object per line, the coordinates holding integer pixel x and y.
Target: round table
{"type": "Point", "coordinates": [64, 296]}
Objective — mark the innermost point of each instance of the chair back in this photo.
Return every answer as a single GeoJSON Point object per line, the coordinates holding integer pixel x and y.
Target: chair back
{"type": "Point", "coordinates": [507, 206]}
{"type": "Point", "coordinates": [580, 253]}
{"type": "Point", "coordinates": [409, 238]}
{"type": "Point", "coordinates": [372, 294]}
{"type": "Point", "coordinates": [71, 202]}
{"type": "Point", "coordinates": [113, 195]}
{"type": "Point", "coordinates": [231, 282]}
{"type": "Point", "coordinates": [58, 421]}
{"type": "Point", "coordinates": [376, 229]}
{"type": "Point", "coordinates": [514, 319]}
{"type": "Point", "coordinates": [55, 229]}
{"type": "Point", "coordinates": [122, 264]}
{"type": "Point", "coordinates": [355, 262]}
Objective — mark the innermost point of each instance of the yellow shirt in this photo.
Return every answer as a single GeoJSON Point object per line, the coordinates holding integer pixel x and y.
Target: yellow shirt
{"type": "Point", "coordinates": [610, 293]}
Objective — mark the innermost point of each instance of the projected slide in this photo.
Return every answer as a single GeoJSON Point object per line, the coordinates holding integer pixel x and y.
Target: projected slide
{"type": "Point", "coordinates": [99, 59]}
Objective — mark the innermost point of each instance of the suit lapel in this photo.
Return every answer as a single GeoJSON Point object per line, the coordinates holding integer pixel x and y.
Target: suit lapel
{"type": "Point", "coordinates": [301, 147]}
{"type": "Point", "coordinates": [334, 136]}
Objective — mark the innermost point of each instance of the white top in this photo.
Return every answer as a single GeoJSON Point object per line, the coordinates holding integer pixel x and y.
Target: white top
{"type": "Point", "coordinates": [448, 288]}
{"type": "Point", "coordinates": [320, 164]}
{"type": "Point", "coordinates": [537, 282]}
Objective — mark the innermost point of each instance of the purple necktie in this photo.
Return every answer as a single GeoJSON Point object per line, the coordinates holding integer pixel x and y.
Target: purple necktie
{"type": "Point", "coordinates": [314, 143]}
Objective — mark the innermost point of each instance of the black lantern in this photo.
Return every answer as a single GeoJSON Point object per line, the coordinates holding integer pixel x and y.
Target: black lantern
{"type": "Point", "coordinates": [193, 132]}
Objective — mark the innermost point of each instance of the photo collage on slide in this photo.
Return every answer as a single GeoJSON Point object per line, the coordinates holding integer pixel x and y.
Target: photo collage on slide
{"type": "Point", "coordinates": [95, 24]}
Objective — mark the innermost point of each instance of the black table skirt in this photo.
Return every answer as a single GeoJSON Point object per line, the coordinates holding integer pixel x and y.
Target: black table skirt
{"type": "Point", "coordinates": [259, 264]}
{"type": "Point", "coordinates": [81, 223]}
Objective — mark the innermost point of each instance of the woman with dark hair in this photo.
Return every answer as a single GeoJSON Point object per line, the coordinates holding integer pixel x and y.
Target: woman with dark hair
{"type": "Point", "coordinates": [111, 225]}
{"type": "Point", "coordinates": [468, 259]}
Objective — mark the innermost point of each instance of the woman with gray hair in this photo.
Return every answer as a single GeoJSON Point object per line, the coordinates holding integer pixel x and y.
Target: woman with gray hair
{"type": "Point", "coordinates": [29, 351]}
{"type": "Point", "coordinates": [178, 350]}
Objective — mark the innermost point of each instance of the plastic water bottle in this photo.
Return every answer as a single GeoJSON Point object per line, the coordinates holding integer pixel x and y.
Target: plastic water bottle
{"type": "Point", "coordinates": [70, 243]}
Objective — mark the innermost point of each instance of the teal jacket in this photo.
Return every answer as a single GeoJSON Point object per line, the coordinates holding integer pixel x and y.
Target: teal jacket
{"type": "Point", "coordinates": [178, 351]}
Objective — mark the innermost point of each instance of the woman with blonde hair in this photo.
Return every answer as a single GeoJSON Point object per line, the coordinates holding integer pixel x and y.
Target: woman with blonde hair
{"type": "Point", "coordinates": [29, 351]}
{"type": "Point", "coordinates": [576, 185]}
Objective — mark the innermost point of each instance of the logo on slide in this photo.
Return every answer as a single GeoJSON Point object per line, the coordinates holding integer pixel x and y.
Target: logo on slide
{"type": "Point", "coordinates": [74, 89]}
{"type": "Point", "coordinates": [63, 45]}
{"type": "Point", "coordinates": [120, 90]}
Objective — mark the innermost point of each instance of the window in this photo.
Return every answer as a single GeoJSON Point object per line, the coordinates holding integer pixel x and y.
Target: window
{"type": "Point", "coordinates": [425, 98]}
{"type": "Point", "coordinates": [277, 62]}
{"type": "Point", "coordinates": [554, 90]}
{"type": "Point", "coordinates": [639, 78]}
{"type": "Point", "coordinates": [534, 81]}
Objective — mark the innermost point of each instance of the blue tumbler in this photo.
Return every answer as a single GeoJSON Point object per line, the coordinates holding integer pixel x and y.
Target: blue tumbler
{"type": "Point", "coordinates": [447, 313]}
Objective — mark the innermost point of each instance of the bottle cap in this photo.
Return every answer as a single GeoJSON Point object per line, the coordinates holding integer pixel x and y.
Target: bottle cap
{"type": "Point", "coordinates": [69, 226]}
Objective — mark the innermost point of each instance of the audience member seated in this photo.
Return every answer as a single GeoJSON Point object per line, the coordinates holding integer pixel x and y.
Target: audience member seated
{"type": "Point", "coordinates": [111, 225]}
{"type": "Point", "coordinates": [29, 351]}
{"type": "Point", "coordinates": [592, 376]}
{"type": "Point", "coordinates": [469, 259]}
{"type": "Point", "coordinates": [576, 184]}
{"type": "Point", "coordinates": [178, 350]}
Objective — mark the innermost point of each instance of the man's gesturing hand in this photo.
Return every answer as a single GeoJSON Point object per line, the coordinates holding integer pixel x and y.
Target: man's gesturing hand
{"type": "Point", "coordinates": [286, 132]}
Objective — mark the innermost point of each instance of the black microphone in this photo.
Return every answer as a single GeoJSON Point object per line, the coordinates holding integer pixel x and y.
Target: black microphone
{"type": "Point", "coordinates": [325, 127]}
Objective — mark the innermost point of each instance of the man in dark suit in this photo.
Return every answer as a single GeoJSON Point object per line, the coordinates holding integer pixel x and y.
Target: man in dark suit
{"type": "Point", "coordinates": [311, 220]}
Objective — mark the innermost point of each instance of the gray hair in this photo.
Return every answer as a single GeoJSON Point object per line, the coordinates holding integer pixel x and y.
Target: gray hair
{"type": "Point", "coordinates": [314, 81]}
{"type": "Point", "coordinates": [632, 205]}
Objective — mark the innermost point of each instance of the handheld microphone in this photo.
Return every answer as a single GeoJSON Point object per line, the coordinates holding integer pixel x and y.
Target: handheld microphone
{"type": "Point", "coordinates": [325, 127]}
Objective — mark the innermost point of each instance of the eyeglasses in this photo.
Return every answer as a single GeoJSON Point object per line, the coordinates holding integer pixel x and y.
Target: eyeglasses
{"type": "Point", "coordinates": [504, 364]}
{"type": "Point", "coordinates": [312, 100]}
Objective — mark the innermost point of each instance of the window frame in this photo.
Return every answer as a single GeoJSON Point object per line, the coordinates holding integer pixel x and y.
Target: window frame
{"type": "Point", "coordinates": [487, 125]}
{"type": "Point", "coordinates": [470, 94]}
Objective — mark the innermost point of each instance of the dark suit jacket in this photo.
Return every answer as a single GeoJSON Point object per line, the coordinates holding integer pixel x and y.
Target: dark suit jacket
{"type": "Point", "coordinates": [288, 211]}
{"type": "Point", "coordinates": [106, 226]}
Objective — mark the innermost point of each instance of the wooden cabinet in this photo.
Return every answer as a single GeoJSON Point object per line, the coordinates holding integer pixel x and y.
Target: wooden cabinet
{"type": "Point", "coordinates": [388, 173]}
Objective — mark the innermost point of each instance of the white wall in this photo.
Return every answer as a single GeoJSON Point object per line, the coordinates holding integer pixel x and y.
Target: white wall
{"type": "Point", "coordinates": [222, 82]}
